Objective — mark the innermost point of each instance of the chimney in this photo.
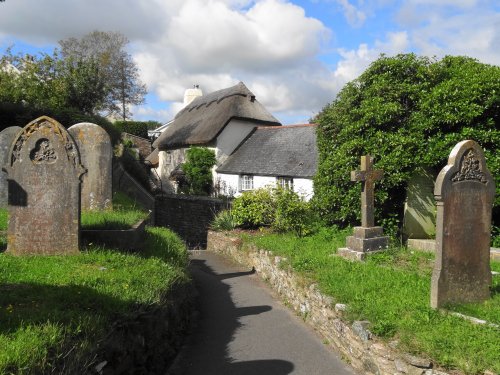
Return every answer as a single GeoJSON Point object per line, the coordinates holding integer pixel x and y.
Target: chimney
{"type": "Point", "coordinates": [192, 94]}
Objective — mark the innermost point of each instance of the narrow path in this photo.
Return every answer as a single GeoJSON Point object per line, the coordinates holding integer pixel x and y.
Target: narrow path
{"type": "Point", "coordinates": [243, 330]}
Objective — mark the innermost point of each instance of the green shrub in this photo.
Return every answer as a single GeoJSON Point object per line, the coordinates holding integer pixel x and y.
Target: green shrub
{"type": "Point", "coordinates": [198, 170]}
{"type": "Point", "coordinates": [292, 214]}
{"type": "Point", "coordinates": [138, 128]}
{"type": "Point", "coordinates": [254, 208]}
{"type": "Point", "coordinates": [407, 112]}
{"type": "Point", "coordinates": [12, 114]}
{"type": "Point", "coordinates": [224, 220]}
{"type": "Point", "coordinates": [281, 209]}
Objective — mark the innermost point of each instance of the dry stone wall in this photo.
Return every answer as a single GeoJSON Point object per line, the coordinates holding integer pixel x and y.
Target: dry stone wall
{"type": "Point", "coordinates": [354, 341]}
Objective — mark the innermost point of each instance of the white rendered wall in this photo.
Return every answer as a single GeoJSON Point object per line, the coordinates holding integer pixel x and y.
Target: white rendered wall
{"type": "Point", "coordinates": [230, 182]}
{"type": "Point", "coordinates": [167, 164]}
{"type": "Point", "coordinates": [231, 137]}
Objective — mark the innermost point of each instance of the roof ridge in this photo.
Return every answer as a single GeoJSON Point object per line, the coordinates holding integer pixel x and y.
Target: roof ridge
{"type": "Point", "coordinates": [286, 126]}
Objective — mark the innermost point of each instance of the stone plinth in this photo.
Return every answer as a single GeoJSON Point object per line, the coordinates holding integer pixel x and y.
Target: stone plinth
{"type": "Point", "coordinates": [365, 240]}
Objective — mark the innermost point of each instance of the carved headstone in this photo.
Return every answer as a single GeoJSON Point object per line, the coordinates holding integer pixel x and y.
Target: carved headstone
{"type": "Point", "coordinates": [464, 193]}
{"type": "Point", "coordinates": [96, 152]}
{"type": "Point", "coordinates": [367, 237]}
{"type": "Point", "coordinates": [6, 137]}
{"type": "Point", "coordinates": [420, 208]}
{"type": "Point", "coordinates": [44, 190]}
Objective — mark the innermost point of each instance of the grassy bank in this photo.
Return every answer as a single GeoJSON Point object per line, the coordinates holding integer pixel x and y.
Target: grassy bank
{"type": "Point", "coordinates": [392, 290]}
{"type": "Point", "coordinates": [58, 307]}
{"type": "Point", "coordinates": [53, 306]}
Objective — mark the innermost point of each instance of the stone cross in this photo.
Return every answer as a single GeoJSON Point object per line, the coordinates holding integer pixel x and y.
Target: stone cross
{"type": "Point", "coordinates": [368, 176]}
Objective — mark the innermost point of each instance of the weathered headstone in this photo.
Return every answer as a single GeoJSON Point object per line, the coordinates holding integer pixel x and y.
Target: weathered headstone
{"type": "Point", "coordinates": [367, 237]}
{"type": "Point", "coordinates": [96, 152]}
{"type": "Point", "coordinates": [420, 207]}
{"type": "Point", "coordinates": [6, 137]}
{"type": "Point", "coordinates": [464, 193]}
{"type": "Point", "coordinates": [44, 190]}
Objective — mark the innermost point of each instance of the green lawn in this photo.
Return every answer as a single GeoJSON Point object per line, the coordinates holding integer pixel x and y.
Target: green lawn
{"type": "Point", "coordinates": [51, 306]}
{"type": "Point", "coordinates": [392, 290]}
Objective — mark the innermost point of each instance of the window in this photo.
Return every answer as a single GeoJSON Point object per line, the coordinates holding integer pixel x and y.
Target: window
{"type": "Point", "coordinates": [168, 157]}
{"type": "Point", "coordinates": [246, 182]}
{"type": "Point", "coordinates": [285, 182]}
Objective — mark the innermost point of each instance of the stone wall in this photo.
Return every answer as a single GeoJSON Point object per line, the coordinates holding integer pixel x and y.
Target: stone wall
{"type": "Point", "coordinates": [143, 145]}
{"type": "Point", "coordinates": [123, 181]}
{"type": "Point", "coordinates": [354, 341]}
{"type": "Point", "coordinates": [188, 216]}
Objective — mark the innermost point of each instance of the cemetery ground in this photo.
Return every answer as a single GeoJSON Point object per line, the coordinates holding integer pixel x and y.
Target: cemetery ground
{"type": "Point", "coordinates": [58, 314]}
{"type": "Point", "coordinates": [391, 290]}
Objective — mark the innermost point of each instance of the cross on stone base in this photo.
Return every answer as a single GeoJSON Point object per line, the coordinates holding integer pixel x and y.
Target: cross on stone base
{"type": "Point", "coordinates": [367, 237]}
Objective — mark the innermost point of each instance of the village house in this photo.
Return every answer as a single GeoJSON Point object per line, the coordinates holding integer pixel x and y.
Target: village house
{"type": "Point", "coordinates": [252, 149]}
{"type": "Point", "coordinates": [272, 156]}
{"type": "Point", "coordinates": [220, 120]}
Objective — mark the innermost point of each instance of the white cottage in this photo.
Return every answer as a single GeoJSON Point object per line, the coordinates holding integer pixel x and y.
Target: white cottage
{"type": "Point", "coordinates": [220, 120]}
{"type": "Point", "coordinates": [270, 156]}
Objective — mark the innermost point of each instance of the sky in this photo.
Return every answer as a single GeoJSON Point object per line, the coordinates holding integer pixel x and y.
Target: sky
{"type": "Point", "coordinates": [294, 55]}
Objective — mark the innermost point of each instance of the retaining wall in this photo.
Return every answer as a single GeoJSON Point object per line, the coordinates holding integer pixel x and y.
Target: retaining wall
{"type": "Point", "coordinates": [188, 216]}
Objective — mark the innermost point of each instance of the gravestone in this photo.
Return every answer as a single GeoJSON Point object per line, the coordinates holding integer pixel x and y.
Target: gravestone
{"type": "Point", "coordinates": [420, 207]}
{"type": "Point", "coordinates": [6, 137]}
{"type": "Point", "coordinates": [367, 237]}
{"type": "Point", "coordinates": [464, 194]}
{"type": "Point", "coordinates": [96, 152]}
{"type": "Point", "coordinates": [44, 190]}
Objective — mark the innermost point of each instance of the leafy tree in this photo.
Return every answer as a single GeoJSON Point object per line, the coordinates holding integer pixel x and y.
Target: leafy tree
{"type": "Point", "coordinates": [138, 128]}
{"type": "Point", "coordinates": [406, 111]}
{"type": "Point", "coordinates": [117, 68]}
{"type": "Point", "coordinates": [47, 81]}
{"type": "Point", "coordinates": [198, 170]}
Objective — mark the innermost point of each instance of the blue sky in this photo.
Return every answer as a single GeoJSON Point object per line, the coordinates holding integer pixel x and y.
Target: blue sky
{"type": "Point", "coordinates": [294, 55]}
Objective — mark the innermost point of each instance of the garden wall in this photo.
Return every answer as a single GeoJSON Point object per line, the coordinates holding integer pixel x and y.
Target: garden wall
{"type": "Point", "coordinates": [354, 341]}
{"type": "Point", "coordinates": [188, 216]}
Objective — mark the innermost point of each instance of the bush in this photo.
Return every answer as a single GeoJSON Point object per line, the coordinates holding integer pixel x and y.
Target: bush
{"type": "Point", "coordinates": [407, 112]}
{"type": "Point", "coordinates": [254, 208]}
{"type": "Point", "coordinates": [137, 128]}
{"type": "Point", "coordinates": [224, 220]}
{"type": "Point", "coordinates": [12, 114]}
{"type": "Point", "coordinates": [292, 213]}
{"type": "Point", "coordinates": [198, 171]}
{"type": "Point", "coordinates": [281, 209]}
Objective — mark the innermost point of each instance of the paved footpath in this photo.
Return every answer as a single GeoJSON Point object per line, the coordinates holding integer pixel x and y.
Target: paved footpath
{"type": "Point", "coordinates": [243, 330]}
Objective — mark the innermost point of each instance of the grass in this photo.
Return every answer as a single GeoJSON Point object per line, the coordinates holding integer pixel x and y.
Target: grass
{"type": "Point", "coordinates": [125, 213]}
{"type": "Point", "coordinates": [52, 305]}
{"type": "Point", "coordinates": [392, 290]}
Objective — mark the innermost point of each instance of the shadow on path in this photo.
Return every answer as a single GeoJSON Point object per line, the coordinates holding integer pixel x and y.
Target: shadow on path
{"type": "Point", "coordinates": [207, 351]}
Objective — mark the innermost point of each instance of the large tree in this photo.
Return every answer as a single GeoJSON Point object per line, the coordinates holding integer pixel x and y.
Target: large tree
{"type": "Point", "coordinates": [47, 81]}
{"type": "Point", "coordinates": [406, 111]}
{"type": "Point", "coordinates": [117, 68]}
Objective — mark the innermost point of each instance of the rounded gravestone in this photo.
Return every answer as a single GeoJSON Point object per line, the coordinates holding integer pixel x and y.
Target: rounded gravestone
{"type": "Point", "coordinates": [464, 193]}
{"type": "Point", "coordinates": [6, 137]}
{"type": "Point", "coordinates": [44, 173]}
{"type": "Point", "coordinates": [96, 152]}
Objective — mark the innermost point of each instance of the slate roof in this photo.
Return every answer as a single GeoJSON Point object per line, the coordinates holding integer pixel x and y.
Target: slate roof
{"type": "Point", "coordinates": [288, 151]}
{"type": "Point", "coordinates": [204, 118]}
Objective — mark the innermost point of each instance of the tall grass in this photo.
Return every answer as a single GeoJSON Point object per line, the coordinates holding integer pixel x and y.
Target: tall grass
{"type": "Point", "coordinates": [392, 290]}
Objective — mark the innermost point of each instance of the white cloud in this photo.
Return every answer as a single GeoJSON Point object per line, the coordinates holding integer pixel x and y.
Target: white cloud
{"type": "Point", "coordinates": [354, 16]}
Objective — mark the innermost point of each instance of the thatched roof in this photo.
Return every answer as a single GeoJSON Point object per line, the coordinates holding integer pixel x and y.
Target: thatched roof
{"type": "Point", "coordinates": [288, 151]}
{"type": "Point", "coordinates": [204, 118]}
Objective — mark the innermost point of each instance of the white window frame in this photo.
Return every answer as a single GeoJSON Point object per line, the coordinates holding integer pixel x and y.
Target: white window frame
{"type": "Point", "coordinates": [246, 182]}
{"type": "Point", "coordinates": [284, 182]}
